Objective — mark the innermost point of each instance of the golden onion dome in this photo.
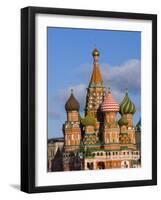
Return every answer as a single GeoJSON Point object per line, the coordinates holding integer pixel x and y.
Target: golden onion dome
{"type": "Point", "coordinates": [72, 103]}
{"type": "Point", "coordinates": [95, 52]}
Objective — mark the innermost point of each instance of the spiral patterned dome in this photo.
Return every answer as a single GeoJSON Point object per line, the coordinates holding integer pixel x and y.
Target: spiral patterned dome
{"type": "Point", "coordinates": [127, 106]}
{"type": "Point", "coordinates": [122, 121]}
{"type": "Point", "coordinates": [72, 103]}
{"type": "Point", "coordinates": [109, 104]}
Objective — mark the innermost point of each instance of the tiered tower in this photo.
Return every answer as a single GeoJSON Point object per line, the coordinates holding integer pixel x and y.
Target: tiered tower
{"type": "Point", "coordinates": [127, 110]}
{"type": "Point", "coordinates": [111, 128]}
{"type": "Point", "coordinates": [71, 128]}
{"type": "Point", "coordinates": [90, 136]}
{"type": "Point", "coordinates": [96, 90]}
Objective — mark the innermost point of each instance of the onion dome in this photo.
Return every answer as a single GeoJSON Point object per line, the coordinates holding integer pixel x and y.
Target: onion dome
{"type": "Point", "coordinates": [109, 104]}
{"type": "Point", "coordinates": [89, 121]}
{"type": "Point", "coordinates": [122, 121]}
{"type": "Point", "coordinates": [127, 106]}
{"type": "Point", "coordinates": [95, 52]}
{"type": "Point", "coordinates": [72, 103]}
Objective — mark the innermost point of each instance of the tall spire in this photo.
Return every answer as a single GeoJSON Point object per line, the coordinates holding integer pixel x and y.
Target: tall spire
{"type": "Point", "coordinates": [96, 78]}
{"type": "Point", "coordinates": [96, 90]}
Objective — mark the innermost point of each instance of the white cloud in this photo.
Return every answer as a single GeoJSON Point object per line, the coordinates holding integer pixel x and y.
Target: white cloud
{"type": "Point", "coordinates": [79, 92]}
{"type": "Point", "coordinates": [118, 75]}
{"type": "Point", "coordinates": [52, 114]}
{"type": "Point", "coordinates": [121, 76]}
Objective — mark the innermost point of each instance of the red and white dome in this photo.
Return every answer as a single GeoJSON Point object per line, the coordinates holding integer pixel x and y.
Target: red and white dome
{"type": "Point", "coordinates": [109, 104]}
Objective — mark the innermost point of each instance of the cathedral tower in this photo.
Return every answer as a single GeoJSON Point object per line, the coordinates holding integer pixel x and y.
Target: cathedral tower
{"type": "Point", "coordinates": [71, 128]}
{"type": "Point", "coordinates": [95, 90]}
{"type": "Point", "coordinates": [127, 110]}
{"type": "Point", "coordinates": [111, 128]}
{"type": "Point", "coordinates": [90, 136]}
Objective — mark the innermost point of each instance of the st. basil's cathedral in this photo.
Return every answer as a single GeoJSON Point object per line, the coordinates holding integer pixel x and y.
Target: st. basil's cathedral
{"type": "Point", "coordinates": [98, 140]}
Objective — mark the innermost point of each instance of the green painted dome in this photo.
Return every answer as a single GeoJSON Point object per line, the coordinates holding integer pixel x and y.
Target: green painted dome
{"type": "Point", "coordinates": [122, 121]}
{"type": "Point", "coordinates": [72, 103]}
{"type": "Point", "coordinates": [89, 121]}
{"type": "Point", "coordinates": [127, 106]}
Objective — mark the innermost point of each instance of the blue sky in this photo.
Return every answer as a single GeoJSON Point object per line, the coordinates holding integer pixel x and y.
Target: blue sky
{"type": "Point", "coordinates": [70, 65]}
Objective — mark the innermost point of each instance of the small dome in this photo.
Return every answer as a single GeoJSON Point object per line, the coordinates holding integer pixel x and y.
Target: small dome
{"type": "Point", "coordinates": [109, 104]}
{"type": "Point", "coordinates": [72, 103]}
{"type": "Point", "coordinates": [122, 121]}
{"type": "Point", "coordinates": [127, 106]}
{"type": "Point", "coordinates": [95, 52]}
{"type": "Point", "coordinates": [89, 121]}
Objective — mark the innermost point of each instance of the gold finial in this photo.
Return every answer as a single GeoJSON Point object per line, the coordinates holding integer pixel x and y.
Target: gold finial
{"type": "Point", "coordinates": [95, 52]}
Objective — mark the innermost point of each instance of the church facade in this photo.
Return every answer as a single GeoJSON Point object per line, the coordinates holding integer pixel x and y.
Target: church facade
{"type": "Point", "coordinates": [99, 140]}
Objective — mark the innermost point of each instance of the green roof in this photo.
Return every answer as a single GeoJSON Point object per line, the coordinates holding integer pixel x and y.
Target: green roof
{"type": "Point", "coordinates": [89, 121]}
{"type": "Point", "coordinates": [124, 148]}
{"type": "Point", "coordinates": [127, 106]}
{"type": "Point", "coordinates": [122, 121]}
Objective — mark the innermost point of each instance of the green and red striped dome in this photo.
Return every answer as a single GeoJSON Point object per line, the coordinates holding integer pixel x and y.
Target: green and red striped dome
{"type": "Point", "coordinates": [127, 106]}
